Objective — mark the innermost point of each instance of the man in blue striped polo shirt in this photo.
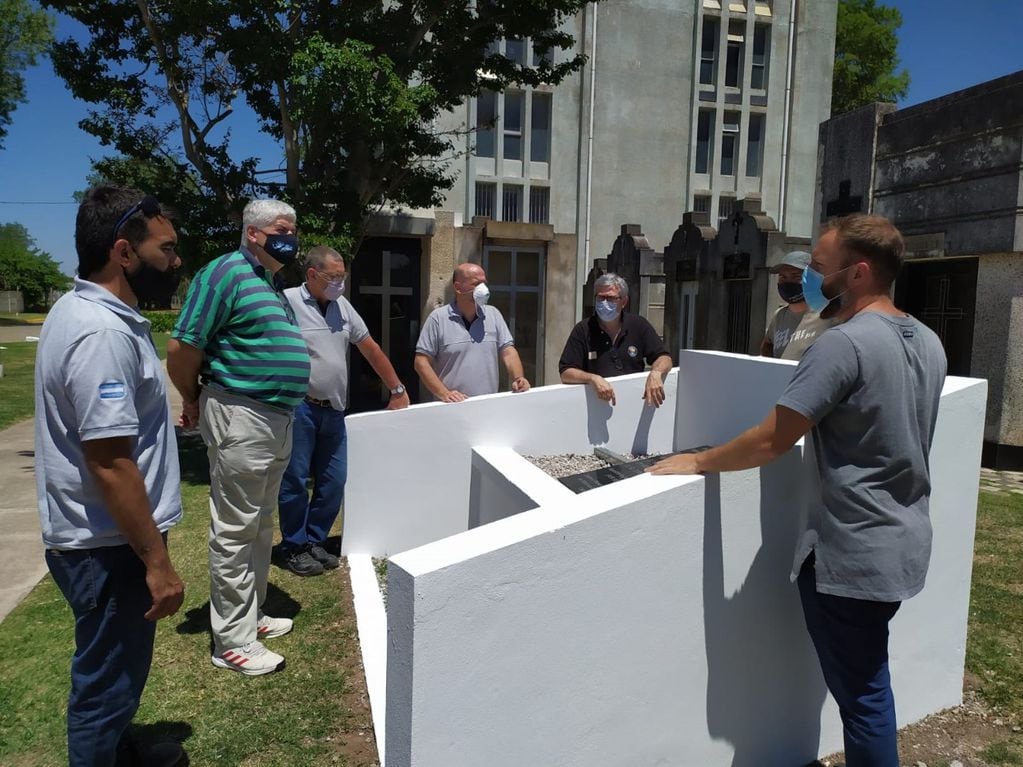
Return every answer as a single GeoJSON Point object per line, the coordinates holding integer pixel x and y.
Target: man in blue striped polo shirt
{"type": "Point", "coordinates": [241, 365]}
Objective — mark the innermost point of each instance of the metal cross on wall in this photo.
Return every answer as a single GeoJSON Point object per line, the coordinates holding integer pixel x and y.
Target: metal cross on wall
{"type": "Point", "coordinates": [846, 203]}
{"type": "Point", "coordinates": [938, 317]}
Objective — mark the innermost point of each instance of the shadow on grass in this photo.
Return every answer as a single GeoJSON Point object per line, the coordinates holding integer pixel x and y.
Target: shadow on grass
{"type": "Point", "coordinates": [195, 466]}
{"type": "Point", "coordinates": [279, 604]}
{"type": "Point", "coordinates": [147, 735]}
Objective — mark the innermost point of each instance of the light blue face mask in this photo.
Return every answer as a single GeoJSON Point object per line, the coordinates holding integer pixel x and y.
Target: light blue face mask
{"type": "Point", "coordinates": [606, 310]}
{"type": "Point", "coordinates": [813, 289]}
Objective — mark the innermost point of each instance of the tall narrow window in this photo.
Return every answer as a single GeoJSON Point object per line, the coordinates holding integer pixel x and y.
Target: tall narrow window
{"type": "Point", "coordinates": [729, 143]}
{"type": "Point", "coordinates": [486, 116]}
{"type": "Point", "coordinates": [755, 145]}
{"type": "Point", "coordinates": [733, 59]}
{"type": "Point", "coordinates": [708, 51]}
{"type": "Point", "coordinates": [701, 203]}
{"type": "Point", "coordinates": [539, 205]}
{"type": "Point", "coordinates": [513, 101]}
{"type": "Point", "coordinates": [726, 209]}
{"type": "Point", "coordinates": [511, 208]}
{"type": "Point", "coordinates": [545, 56]}
{"type": "Point", "coordinates": [540, 128]}
{"type": "Point", "coordinates": [761, 44]}
{"type": "Point", "coordinates": [704, 124]}
{"type": "Point", "coordinates": [486, 198]}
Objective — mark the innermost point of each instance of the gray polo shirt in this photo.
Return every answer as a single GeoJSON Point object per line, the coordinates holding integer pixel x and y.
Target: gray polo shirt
{"type": "Point", "coordinates": [98, 376]}
{"type": "Point", "coordinates": [328, 336]}
{"type": "Point", "coordinates": [871, 386]}
{"type": "Point", "coordinates": [465, 358]}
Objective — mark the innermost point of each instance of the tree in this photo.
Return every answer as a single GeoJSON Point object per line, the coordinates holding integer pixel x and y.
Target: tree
{"type": "Point", "coordinates": [23, 267]}
{"type": "Point", "coordinates": [349, 90]}
{"type": "Point", "coordinates": [866, 56]}
{"type": "Point", "coordinates": [27, 33]}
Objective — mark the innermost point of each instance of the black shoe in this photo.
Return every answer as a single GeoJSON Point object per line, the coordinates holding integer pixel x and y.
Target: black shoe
{"type": "Point", "coordinates": [324, 557]}
{"type": "Point", "coordinates": [131, 753]}
{"type": "Point", "coordinates": [300, 562]}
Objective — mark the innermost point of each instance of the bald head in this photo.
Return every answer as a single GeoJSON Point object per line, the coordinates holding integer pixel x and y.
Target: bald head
{"type": "Point", "coordinates": [467, 277]}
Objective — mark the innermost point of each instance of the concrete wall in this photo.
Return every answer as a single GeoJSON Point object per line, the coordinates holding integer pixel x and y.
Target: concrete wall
{"type": "Point", "coordinates": [652, 621]}
{"type": "Point", "coordinates": [559, 304]}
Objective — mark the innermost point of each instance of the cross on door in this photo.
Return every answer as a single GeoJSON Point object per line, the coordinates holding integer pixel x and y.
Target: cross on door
{"type": "Point", "coordinates": [846, 203]}
{"type": "Point", "coordinates": [386, 292]}
{"type": "Point", "coordinates": [939, 316]}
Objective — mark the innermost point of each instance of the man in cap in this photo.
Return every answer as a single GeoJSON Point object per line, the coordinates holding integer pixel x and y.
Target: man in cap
{"type": "Point", "coordinates": [794, 326]}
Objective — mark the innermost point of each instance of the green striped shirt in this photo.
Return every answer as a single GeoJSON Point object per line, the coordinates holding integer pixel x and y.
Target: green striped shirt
{"type": "Point", "coordinates": [247, 332]}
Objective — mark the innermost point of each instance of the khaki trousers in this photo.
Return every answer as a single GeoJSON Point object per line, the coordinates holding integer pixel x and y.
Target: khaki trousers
{"type": "Point", "coordinates": [249, 446]}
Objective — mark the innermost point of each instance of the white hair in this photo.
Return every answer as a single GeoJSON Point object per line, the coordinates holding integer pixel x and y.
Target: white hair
{"type": "Point", "coordinates": [611, 280]}
{"type": "Point", "coordinates": [260, 213]}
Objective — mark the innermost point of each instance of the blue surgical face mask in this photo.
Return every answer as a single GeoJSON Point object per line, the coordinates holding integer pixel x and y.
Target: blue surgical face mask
{"type": "Point", "coordinates": [607, 310]}
{"type": "Point", "coordinates": [813, 289]}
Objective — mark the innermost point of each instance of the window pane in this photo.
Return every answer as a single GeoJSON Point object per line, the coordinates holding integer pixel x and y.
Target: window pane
{"type": "Point", "coordinates": [728, 154]}
{"type": "Point", "coordinates": [515, 49]}
{"type": "Point", "coordinates": [733, 59]}
{"type": "Point", "coordinates": [703, 130]}
{"type": "Point", "coordinates": [486, 115]}
{"type": "Point", "coordinates": [754, 145]}
{"type": "Point", "coordinates": [761, 43]}
{"type": "Point", "coordinates": [513, 107]}
{"type": "Point", "coordinates": [539, 205]}
{"type": "Point", "coordinates": [486, 197]}
{"type": "Point", "coordinates": [726, 207]}
{"type": "Point", "coordinates": [701, 203]}
{"type": "Point", "coordinates": [511, 209]}
{"type": "Point", "coordinates": [546, 57]}
{"type": "Point", "coordinates": [498, 267]}
{"type": "Point", "coordinates": [540, 138]}
{"type": "Point", "coordinates": [527, 269]}
{"type": "Point", "coordinates": [708, 51]}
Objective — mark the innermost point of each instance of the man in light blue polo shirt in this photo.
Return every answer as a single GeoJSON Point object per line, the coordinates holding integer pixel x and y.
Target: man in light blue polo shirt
{"type": "Point", "coordinates": [458, 348]}
{"type": "Point", "coordinates": [107, 469]}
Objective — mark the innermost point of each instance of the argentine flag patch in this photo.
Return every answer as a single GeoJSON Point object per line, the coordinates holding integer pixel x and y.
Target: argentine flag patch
{"type": "Point", "coordinates": [111, 390]}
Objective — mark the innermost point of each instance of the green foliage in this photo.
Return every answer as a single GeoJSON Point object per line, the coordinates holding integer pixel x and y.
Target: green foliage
{"type": "Point", "coordinates": [160, 321]}
{"type": "Point", "coordinates": [866, 56]}
{"type": "Point", "coordinates": [351, 92]}
{"type": "Point", "coordinates": [23, 267]}
{"type": "Point", "coordinates": [27, 33]}
{"type": "Point", "coordinates": [17, 393]}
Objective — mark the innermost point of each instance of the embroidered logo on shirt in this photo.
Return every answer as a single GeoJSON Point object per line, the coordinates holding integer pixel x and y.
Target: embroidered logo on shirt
{"type": "Point", "coordinates": [633, 351]}
{"type": "Point", "coordinates": [111, 390]}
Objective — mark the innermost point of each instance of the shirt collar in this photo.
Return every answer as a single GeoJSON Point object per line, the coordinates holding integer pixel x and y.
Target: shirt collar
{"type": "Point", "coordinates": [454, 313]}
{"type": "Point", "coordinates": [91, 291]}
{"type": "Point", "coordinates": [275, 278]}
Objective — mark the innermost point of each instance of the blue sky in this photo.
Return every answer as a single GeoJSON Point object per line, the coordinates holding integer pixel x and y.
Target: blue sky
{"type": "Point", "coordinates": [946, 45]}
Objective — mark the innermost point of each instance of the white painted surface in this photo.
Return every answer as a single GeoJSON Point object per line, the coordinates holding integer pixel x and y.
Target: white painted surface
{"type": "Point", "coordinates": [651, 621]}
{"type": "Point", "coordinates": [371, 619]}
{"type": "Point", "coordinates": [409, 470]}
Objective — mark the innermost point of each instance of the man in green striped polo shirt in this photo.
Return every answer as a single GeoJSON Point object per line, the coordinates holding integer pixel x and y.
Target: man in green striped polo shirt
{"type": "Point", "coordinates": [241, 365]}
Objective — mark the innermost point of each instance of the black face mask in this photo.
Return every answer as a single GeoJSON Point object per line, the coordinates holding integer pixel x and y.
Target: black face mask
{"type": "Point", "coordinates": [282, 248]}
{"type": "Point", "coordinates": [790, 292]}
{"type": "Point", "coordinates": [152, 287]}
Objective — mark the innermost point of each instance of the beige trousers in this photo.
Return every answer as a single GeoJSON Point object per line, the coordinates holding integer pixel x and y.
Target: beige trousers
{"type": "Point", "coordinates": [249, 446]}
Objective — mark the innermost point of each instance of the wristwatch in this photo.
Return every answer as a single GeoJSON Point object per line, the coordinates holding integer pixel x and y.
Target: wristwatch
{"type": "Point", "coordinates": [398, 390]}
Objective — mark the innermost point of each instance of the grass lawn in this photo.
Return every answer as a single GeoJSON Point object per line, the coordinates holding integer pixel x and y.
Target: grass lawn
{"type": "Point", "coordinates": [23, 318]}
{"type": "Point", "coordinates": [314, 712]}
{"type": "Point", "coordinates": [17, 396]}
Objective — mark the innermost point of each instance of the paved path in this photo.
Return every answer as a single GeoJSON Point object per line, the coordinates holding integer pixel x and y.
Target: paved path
{"type": "Point", "coordinates": [9, 333]}
{"type": "Point", "coordinates": [21, 549]}
{"type": "Point", "coordinates": [1001, 481]}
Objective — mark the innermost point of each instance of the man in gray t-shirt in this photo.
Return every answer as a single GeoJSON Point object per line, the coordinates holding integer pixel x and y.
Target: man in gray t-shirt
{"type": "Point", "coordinates": [869, 390]}
{"type": "Point", "coordinates": [794, 327]}
{"type": "Point", "coordinates": [460, 343]}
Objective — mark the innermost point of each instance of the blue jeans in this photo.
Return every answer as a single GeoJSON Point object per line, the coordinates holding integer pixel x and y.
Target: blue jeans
{"type": "Point", "coordinates": [851, 638]}
{"type": "Point", "coordinates": [106, 589]}
{"type": "Point", "coordinates": [319, 451]}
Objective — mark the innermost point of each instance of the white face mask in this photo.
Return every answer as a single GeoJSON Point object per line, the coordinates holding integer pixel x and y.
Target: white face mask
{"type": "Point", "coordinates": [481, 294]}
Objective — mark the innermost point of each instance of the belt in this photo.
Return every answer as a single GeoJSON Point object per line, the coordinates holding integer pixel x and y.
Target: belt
{"type": "Point", "coordinates": [318, 402]}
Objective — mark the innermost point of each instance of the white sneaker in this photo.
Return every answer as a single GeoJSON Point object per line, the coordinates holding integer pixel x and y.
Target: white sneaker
{"type": "Point", "coordinates": [252, 659]}
{"type": "Point", "coordinates": [268, 628]}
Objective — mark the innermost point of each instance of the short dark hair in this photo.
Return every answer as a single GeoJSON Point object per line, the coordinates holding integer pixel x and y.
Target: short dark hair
{"type": "Point", "coordinates": [873, 239]}
{"type": "Point", "coordinates": [101, 208]}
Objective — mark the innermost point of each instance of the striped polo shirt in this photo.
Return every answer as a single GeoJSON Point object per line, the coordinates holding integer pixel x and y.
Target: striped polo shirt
{"type": "Point", "coordinates": [244, 325]}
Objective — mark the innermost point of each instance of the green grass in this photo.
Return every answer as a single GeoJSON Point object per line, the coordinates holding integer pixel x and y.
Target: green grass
{"type": "Point", "coordinates": [22, 318]}
{"type": "Point", "coordinates": [17, 394]}
{"type": "Point", "coordinates": [311, 713]}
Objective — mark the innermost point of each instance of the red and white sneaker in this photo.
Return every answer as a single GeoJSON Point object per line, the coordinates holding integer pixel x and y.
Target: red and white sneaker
{"type": "Point", "coordinates": [252, 659]}
{"type": "Point", "coordinates": [268, 628]}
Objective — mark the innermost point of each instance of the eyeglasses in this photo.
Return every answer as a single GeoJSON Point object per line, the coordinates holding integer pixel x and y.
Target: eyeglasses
{"type": "Point", "coordinates": [149, 206]}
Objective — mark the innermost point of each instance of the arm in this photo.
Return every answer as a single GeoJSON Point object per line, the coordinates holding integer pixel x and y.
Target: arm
{"type": "Point", "coordinates": [382, 366]}
{"type": "Point", "coordinates": [604, 390]}
{"type": "Point", "coordinates": [653, 392]}
{"type": "Point", "coordinates": [124, 493]}
{"type": "Point", "coordinates": [766, 347]}
{"type": "Point", "coordinates": [513, 364]}
{"type": "Point", "coordinates": [765, 442]}
{"type": "Point", "coordinates": [430, 379]}
{"type": "Point", "coordinates": [183, 364]}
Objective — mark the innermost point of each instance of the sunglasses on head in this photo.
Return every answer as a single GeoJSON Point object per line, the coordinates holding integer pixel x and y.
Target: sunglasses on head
{"type": "Point", "coordinates": [149, 206]}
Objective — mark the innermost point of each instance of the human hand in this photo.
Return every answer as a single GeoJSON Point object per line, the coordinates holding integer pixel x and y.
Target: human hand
{"type": "Point", "coordinates": [687, 463]}
{"type": "Point", "coordinates": [189, 415]}
{"type": "Point", "coordinates": [604, 390]}
{"type": "Point", "coordinates": [453, 396]}
{"type": "Point", "coordinates": [653, 392]}
{"type": "Point", "coordinates": [520, 384]}
{"type": "Point", "coordinates": [398, 402]}
{"type": "Point", "coordinates": [167, 590]}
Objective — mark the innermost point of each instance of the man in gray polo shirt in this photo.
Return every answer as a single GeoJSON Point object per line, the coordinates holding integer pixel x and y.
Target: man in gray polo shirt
{"type": "Point", "coordinates": [329, 323]}
{"type": "Point", "coordinates": [869, 390]}
{"type": "Point", "coordinates": [107, 469]}
{"type": "Point", "coordinates": [458, 348]}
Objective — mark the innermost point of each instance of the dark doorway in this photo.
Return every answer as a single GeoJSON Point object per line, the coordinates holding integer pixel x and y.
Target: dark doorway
{"type": "Point", "coordinates": [943, 295]}
{"type": "Point", "coordinates": [385, 291]}
{"type": "Point", "coordinates": [740, 303]}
